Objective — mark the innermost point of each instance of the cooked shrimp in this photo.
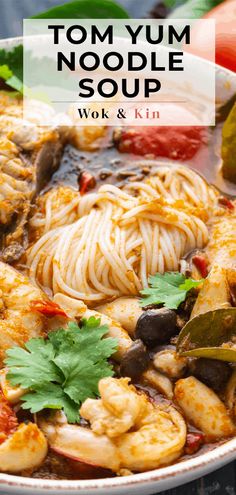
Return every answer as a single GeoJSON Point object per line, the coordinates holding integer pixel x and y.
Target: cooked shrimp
{"type": "Point", "coordinates": [27, 132]}
{"type": "Point", "coordinates": [25, 449]}
{"type": "Point", "coordinates": [21, 446]}
{"type": "Point", "coordinates": [118, 410]}
{"type": "Point", "coordinates": [131, 432]}
{"type": "Point", "coordinates": [80, 443]}
{"type": "Point", "coordinates": [21, 316]}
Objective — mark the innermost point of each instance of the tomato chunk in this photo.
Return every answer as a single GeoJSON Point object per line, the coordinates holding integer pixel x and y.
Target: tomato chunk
{"type": "Point", "coordinates": [8, 419]}
{"type": "Point", "coordinates": [201, 264]}
{"type": "Point", "coordinates": [174, 142]}
{"type": "Point", "coordinates": [223, 201]}
{"type": "Point", "coordinates": [47, 308]}
{"type": "Point", "coordinates": [86, 182]}
{"type": "Point", "coordinates": [224, 16]}
{"type": "Point", "coordinates": [193, 442]}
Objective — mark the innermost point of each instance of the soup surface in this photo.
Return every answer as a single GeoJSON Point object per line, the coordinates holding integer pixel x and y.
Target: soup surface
{"type": "Point", "coordinates": [117, 280]}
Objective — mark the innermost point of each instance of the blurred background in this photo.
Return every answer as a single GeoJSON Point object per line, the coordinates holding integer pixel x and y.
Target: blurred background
{"type": "Point", "coordinates": [13, 11]}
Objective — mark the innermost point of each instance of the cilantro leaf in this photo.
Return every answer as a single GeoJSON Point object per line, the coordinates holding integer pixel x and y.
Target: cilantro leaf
{"type": "Point", "coordinates": [64, 370]}
{"type": "Point", "coordinates": [189, 283]}
{"type": "Point", "coordinates": [193, 9]}
{"type": "Point", "coordinates": [15, 83]}
{"type": "Point", "coordinates": [33, 365]}
{"type": "Point", "coordinates": [51, 396]}
{"type": "Point", "coordinates": [93, 352]}
{"type": "Point", "coordinates": [85, 9]}
{"type": "Point", "coordinates": [169, 278]}
{"type": "Point", "coordinates": [11, 80]}
{"type": "Point", "coordinates": [5, 72]}
{"type": "Point", "coordinates": [13, 59]}
{"type": "Point", "coordinates": [11, 67]}
{"type": "Point", "coordinates": [169, 289]}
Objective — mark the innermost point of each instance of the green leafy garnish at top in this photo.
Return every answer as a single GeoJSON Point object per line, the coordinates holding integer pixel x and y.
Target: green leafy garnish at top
{"type": "Point", "coordinates": [11, 61]}
{"type": "Point", "coordinates": [7, 75]}
{"type": "Point", "coordinates": [85, 9]}
{"type": "Point", "coordinates": [64, 370]}
{"type": "Point", "coordinates": [11, 67]}
{"type": "Point", "coordinates": [169, 289]}
{"type": "Point", "coordinates": [14, 59]}
{"type": "Point", "coordinates": [193, 9]}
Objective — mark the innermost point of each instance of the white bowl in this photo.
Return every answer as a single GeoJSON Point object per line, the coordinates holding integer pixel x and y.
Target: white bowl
{"type": "Point", "coordinates": [152, 481]}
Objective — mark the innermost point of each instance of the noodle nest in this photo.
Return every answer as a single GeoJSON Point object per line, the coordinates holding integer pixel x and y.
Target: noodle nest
{"type": "Point", "coordinates": [105, 244]}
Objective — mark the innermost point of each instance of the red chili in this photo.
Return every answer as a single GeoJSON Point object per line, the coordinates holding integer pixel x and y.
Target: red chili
{"type": "Point", "coordinates": [8, 419]}
{"type": "Point", "coordinates": [201, 264]}
{"type": "Point", "coordinates": [86, 182]}
{"type": "Point", "coordinates": [193, 442]}
{"type": "Point", "coordinates": [223, 201]}
{"type": "Point", "coordinates": [176, 143]}
{"type": "Point", "coordinates": [48, 308]}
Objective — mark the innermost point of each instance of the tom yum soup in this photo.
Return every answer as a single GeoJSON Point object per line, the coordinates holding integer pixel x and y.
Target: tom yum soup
{"type": "Point", "coordinates": [117, 279]}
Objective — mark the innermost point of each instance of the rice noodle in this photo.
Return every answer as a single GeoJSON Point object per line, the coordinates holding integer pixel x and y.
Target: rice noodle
{"type": "Point", "coordinates": [111, 241]}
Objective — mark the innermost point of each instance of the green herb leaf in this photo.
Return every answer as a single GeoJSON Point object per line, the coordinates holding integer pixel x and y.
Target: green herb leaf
{"type": "Point", "coordinates": [5, 72]}
{"type": "Point", "coordinates": [11, 67]}
{"type": "Point", "coordinates": [51, 396]}
{"type": "Point", "coordinates": [169, 289]}
{"type": "Point", "coordinates": [15, 83]}
{"type": "Point", "coordinates": [14, 60]}
{"type": "Point", "coordinates": [33, 365]}
{"type": "Point", "coordinates": [10, 79]}
{"type": "Point", "coordinates": [93, 352]}
{"type": "Point", "coordinates": [189, 284]}
{"type": "Point", "coordinates": [63, 371]}
{"type": "Point", "coordinates": [220, 353]}
{"type": "Point", "coordinates": [194, 9]}
{"type": "Point", "coordinates": [85, 9]}
{"type": "Point", "coordinates": [173, 3]}
{"type": "Point", "coordinates": [211, 334]}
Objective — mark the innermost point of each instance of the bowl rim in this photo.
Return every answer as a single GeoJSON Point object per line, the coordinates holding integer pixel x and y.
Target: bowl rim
{"type": "Point", "coordinates": [193, 467]}
{"type": "Point", "coordinates": [19, 39]}
{"type": "Point", "coordinates": [188, 469]}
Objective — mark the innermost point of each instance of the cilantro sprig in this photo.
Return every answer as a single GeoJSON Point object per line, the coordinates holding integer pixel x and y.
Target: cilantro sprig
{"type": "Point", "coordinates": [11, 61]}
{"type": "Point", "coordinates": [10, 79]}
{"type": "Point", "coordinates": [64, 370]}
{"type": "Point", "coordinates": [11, 67]}
{"type": "Point", "coordinates": [169, 289]}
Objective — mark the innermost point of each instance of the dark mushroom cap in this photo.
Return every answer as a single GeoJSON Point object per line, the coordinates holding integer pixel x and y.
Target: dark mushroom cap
{"type": "Point", "coordinates": [156, 326]}
{"type": "Point", "coordinates": [212, 372]}
{"type": "Point", "coordinates": [135, 361]}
